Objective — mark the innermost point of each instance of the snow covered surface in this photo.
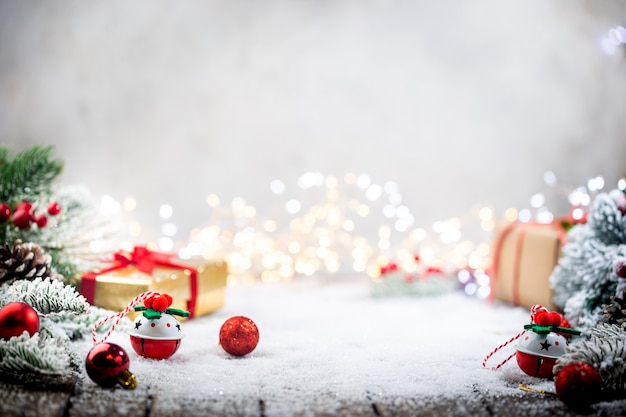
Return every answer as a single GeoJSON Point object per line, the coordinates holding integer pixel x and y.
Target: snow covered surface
{"type": "Point", "coordinates": [325, 339]}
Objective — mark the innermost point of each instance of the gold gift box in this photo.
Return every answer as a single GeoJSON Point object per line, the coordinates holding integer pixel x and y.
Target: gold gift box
{"type": "Point", "coordinates": [114, 290]}
{"type": "Point", "coordinates": [524, 257]}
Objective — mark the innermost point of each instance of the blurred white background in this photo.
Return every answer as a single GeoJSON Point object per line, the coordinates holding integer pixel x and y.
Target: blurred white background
{"type": "Point", "coordinates": [460, 103]}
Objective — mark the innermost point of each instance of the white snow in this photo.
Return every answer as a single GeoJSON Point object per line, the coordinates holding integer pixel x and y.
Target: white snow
{"type": "Point", "coordinates": [327, 338]}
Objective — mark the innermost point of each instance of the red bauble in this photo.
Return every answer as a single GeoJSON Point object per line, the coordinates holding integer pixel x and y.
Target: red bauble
{"type": "Point", "coordinates": [107, 365]}
{"type": "Point", "coordinates": [41, 220]}
{"type": "Point", "coordinates": [5, 212]}
{"type": "Point", "coordinates": [239, 336]}
{"type": "Point", "coordinates": [54, 208]}
{"type": "Point", "coordinates": [578, 385]}
{"type": "Point", "coordinates": [22, 219]}
{"type": "Point", "coordinates": [17, 317]}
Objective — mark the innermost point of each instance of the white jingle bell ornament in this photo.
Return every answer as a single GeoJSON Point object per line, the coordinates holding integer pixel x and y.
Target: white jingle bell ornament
{"type": "Point", "coordinates": [540, 344]}
{"type": "Point", "coordinates": [156, 333]}
{"type": "Point", "coordinates": [538, 350]}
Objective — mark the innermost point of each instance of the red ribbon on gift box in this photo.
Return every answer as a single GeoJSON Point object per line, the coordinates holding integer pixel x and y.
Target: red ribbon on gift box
{"type": "Point", "coordinates": [145, 260]}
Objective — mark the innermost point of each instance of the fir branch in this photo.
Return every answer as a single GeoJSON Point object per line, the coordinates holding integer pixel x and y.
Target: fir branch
{"type": "Point", "coordinates": [605, 350]}
{"type": "Point", "coordinates": [46, 296]}
{"type": "Point", "coordinates": [39, 353]}
{"type": "Point", "coordinates": [29, 175]}
{"type": "Point", "coordinates": [75, 327]}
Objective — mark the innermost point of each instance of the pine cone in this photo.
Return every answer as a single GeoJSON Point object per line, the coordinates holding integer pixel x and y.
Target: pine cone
{"type": "Point", "coordinates": [615, 311]}
{"type": "Point", "coordinates": [24, 261]}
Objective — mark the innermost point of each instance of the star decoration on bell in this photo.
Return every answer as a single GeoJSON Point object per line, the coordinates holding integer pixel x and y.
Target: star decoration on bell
{"type": "Point", "coordinates": [545, 345]}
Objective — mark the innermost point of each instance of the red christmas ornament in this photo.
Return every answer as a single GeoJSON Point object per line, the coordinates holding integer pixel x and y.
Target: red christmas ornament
{"type": "Point", "coordinates": [5, 212]}
{"type": "Point", "coordinates": [41, 220]}
{"type": "Point", "coordinates": [239, 336]}
{"type": "Point", "coordinates": [22, 219]}
{"type": "Point", "coordinates": [156, 332]}
{"type": "Point", "coordinates": [107, 365]}
{"type": "Point", "coordinates": [578, 385]}
{"type": "Point", "coordinates": [17, 317]}
{"type": "Point", "coordinates": [54, 208]}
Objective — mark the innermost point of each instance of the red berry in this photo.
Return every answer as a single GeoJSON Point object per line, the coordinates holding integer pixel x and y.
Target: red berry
{"type": "Point", "coordinates": [24, 205]}
{"type": "Point", "coordinates": [159, 304]}
{"type": "Point", "coordinates": [543, 318]}
{"type": "Point", "coordinates": [54, 208]}
{"type": "Point", "coordinates": [555, 318]}
{"type": "Point", "coordinates": [41, 220]}
{"type": "Point", "coordinates": [620, 268]}
{"type": "Point", "coordinates": [5, 212]}
{"type": "Point", "coordinates": [22, 219]}
{"type": "Point", "coordinates": [578, 385]}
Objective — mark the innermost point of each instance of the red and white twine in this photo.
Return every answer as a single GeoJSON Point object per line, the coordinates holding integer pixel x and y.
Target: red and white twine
{"type": "Point", "coordinates": [493, 352]}
{"type": "Point", "coordinates": [119, 316]}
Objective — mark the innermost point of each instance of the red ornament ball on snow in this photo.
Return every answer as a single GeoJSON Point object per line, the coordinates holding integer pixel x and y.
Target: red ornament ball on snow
{"type": "Point", "coordinates": [537, 353]}
{"type": "Point", "coordinates": [157, 338]}
{"type": "Point", "coordinates": [17, 317]}
{"type": "Point", "coordinates": [107, 365]}
{"type": "Point", "coordinates": [578, 385]}
{"type": "Point", "coordinates": [239, 336]}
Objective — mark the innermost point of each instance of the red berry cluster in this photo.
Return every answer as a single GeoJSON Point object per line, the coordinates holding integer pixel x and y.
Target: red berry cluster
{"type": "Point", "coordinates": [24, 214]}
{"type": "Point", "coordinates": [541, 316]}
{"type": "Point", "coordinates": [158, 302]}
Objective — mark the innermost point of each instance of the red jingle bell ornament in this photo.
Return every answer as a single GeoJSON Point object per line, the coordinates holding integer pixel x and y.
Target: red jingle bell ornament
{"type": "Point", "coordinates": [540, 344]}
{"type": "Point", "coordinates": [156, 333]}
{"type": "Point", "coordinates": [16, 318]}
{"type": "Point", "coordinates": [107, 365]}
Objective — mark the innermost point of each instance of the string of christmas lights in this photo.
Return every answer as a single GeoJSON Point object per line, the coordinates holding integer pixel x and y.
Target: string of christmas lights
{"type": "Point", "coordinates": [350, 224]}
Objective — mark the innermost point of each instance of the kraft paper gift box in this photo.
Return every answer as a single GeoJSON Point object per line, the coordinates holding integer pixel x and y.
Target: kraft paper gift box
{"type": "Point", "coordinates": [524, 256]}
{"type": "Point", "coordinates": [195, 285]}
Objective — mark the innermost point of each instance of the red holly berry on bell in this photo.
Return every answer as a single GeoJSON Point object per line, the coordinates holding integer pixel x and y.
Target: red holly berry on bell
{"type": "Point", "coordinates": [22, 219]}
{"type": "Point", "coordinates": [157, 333]}
{"type": "Point", "coordinates": [5, 212]}
{"type": "Point", "coordinates": [54, 208]}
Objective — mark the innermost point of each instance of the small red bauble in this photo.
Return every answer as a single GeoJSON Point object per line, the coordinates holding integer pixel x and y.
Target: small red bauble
{"type": "Point", "coordinates": [107, 365]}
{"type": "Point", "coordinates": [22, 219]}
{"type": "Point", "coordinates": [17, 317]}
{"type": "Point", "coordinates": [5, 212]}
{"type": "Point", "coordinates": [578, 385]}
{"type": "Point", "coordinates": [54, 208]}
{"type": "Point", "coordinates": [239, 336]}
